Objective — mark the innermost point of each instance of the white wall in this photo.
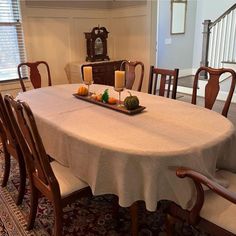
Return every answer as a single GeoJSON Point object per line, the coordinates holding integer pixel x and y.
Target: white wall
{"type": "Point", "coordinates": [179, 52]}
{"type": "Point", "coordinates": [56, 34]}
{"type": "Point", "coordinates": [185, 50]}
{"type": "Point", "coordinates": [132, 36]}
{"type": "Point", "coordinates": [206, 10]}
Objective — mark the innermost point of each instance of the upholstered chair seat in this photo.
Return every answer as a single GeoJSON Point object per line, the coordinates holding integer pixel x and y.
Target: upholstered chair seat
{"type": "Point", "coordinates": [53, 180]}
{"type": "Point", "coordinates": [217, 209]}
{"type": "Point", "coordinates": [68, 183]}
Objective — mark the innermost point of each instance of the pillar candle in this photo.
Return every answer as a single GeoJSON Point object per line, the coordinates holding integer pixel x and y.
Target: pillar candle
{"type": "Point", "coordinates": [88, 73]}
{"type": "Point", "coordinates": [119, 79]}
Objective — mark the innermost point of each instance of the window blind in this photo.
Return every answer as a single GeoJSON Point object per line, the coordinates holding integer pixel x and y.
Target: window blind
{"type": "Point", "coordinates": [12, 49]}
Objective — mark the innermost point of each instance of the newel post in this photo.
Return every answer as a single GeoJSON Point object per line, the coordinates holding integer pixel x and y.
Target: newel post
{"type": "Point", "coordinates": [205, 45]}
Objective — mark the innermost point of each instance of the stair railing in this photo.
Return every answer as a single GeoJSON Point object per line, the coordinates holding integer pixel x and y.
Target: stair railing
{"type": "Point", "coordinates": [219, 40]}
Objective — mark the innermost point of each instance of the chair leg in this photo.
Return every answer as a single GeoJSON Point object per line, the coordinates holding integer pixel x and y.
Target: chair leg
{"type": "Point", "coordinates": [134, 218]}
{"type": "Point", "coordinates": [33, 207]}
{"type": "Point", "coordinates": [170, 224]}
{"type": "Point", "coordinates": [115, 207]}
{"type": "Point", "coordinates": [7, 168]}
{"type": "Point", "coordinates": [22, 182]}
{"type": "Point", "coordinates": [58, 219]}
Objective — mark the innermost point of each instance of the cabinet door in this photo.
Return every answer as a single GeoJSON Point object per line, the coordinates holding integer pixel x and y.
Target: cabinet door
{"type": "Point", "coordinates": [110, 72]}
{"type": "Point", "coordinates": [99, 78]}
{"type": "Point", "coordinates": [109, 75]}
{"type": "Point", "coordinates": [98, 74]}
{"type": "Point", "coordinates": [104, 72]}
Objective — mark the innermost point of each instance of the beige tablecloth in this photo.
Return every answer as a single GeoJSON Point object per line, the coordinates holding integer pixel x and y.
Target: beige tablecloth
{"type": "Point", "coordinates": [132, 156]}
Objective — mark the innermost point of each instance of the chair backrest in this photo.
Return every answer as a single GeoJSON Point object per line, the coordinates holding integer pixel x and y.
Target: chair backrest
{"type": "Point", "coordinates": [213, 87]}
{"type": "Point", "coordinates": [34, 74]}
{"type": "Point", "coordinates": [7, 132]}
{"type": "Point", "coordinates": [37, 162]}
{"type": "Point", "coordinates": [130, 76]}
{"type": "Point", "coordinates": [168, 81]}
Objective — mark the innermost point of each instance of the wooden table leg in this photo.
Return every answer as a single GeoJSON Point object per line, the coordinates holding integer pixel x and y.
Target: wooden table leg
{"type": "Point", "coordinates": [134, 219]}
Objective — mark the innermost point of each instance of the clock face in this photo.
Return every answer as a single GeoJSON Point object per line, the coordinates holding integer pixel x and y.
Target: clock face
{"type": "Point", "coordinates": [98, 46]}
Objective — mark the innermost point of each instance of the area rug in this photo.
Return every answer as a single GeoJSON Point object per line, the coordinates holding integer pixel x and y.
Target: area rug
{"type": "Point", "coordinates": [92, 217]}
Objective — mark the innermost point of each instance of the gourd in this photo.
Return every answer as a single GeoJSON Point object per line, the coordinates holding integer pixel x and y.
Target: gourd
{"type": "Point", "coordinates": [131, 102]}
{"type": "Point", "coordinates": [83, 91]}
{"type": "Point", "coordinates": [112, 100]}
{"type": "Point", "coordinates": [105, 96]}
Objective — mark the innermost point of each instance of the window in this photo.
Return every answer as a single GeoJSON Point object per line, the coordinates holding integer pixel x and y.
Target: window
{"type": "Point", "coordinates": [12, 51]}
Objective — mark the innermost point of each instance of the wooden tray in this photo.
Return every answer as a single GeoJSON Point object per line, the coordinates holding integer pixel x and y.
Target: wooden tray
{"type": "Point", "coordinates": [110, 106]}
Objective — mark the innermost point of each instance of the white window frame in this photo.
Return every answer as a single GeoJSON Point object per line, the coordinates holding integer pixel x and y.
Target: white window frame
{"type": "Point", "coordinates": [20, 44]}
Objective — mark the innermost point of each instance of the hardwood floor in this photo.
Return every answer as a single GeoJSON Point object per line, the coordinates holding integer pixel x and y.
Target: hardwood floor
{"type": "Point", "coordinates": [186, 81]}
{"type": "Point", "coordinates": [217, 107]}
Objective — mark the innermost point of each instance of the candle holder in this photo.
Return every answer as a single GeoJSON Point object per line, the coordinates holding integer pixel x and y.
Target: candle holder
{"type": "Point", "coordinates": [88, 83]}
{"type": "Point", "coordinates": [119, 90]}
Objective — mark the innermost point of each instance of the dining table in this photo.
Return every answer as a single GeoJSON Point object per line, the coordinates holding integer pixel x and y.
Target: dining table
{"type": "Point", "coordinates": [133, 156]}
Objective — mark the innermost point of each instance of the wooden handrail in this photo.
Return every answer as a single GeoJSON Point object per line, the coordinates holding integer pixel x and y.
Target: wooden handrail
{"type": "Point", "coordinates": [215, 50]}
{"type": "Point", "coordinates": [222, 16]}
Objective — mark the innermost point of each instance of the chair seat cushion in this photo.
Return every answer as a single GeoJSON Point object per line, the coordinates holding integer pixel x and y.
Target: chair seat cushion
{"type": "Point", "coordinates": [68, 183]}
{"type": "Point", "coordinates": [218, 210]}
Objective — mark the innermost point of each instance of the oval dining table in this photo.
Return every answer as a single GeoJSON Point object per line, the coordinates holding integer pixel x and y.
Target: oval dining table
{"type": "Point", "coordinates": [133, 157]}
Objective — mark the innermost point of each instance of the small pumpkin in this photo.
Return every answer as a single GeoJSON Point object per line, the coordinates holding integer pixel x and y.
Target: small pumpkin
{"type": "Point", "coordinates": [112, 100]}
{"type": "Point", "coordinates": [94, 96]}
{"type": "Point", "coordinates": [82, 91]}
{"type": "Point", "coordinates": [99, 98]}
{"type": "Point", "coordinates": [131, 102]}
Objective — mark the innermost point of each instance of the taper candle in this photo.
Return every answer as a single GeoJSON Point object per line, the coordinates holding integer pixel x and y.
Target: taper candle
{"type": "Point", "coordinates": [88, 73]}
{"type": "Point", "coordinates": [119, 79]}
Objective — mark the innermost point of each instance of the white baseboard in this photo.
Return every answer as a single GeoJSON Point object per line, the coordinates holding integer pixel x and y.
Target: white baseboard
{"type": "Point", "coordinates": [185, 72]}
{"type": "Point", "coordinates": [229, 65]}
{"type": "Point", "coordinates": [201, 91]}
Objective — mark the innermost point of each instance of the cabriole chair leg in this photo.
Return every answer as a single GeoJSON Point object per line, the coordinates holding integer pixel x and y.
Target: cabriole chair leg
{"type": "Point", "coordinates": [33, 207]}
{"type": "Point", "coordinates": [58, 219]}
{"type": "Point", "coordinates": [7, 168]}
{"type": "Point", "coordinates": [22, 183]}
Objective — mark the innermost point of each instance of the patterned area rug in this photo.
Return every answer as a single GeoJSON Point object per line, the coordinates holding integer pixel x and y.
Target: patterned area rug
{"type": "Point", "coordinates": [92, 217]}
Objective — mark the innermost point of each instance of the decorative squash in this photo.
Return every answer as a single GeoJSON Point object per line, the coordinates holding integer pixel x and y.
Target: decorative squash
{"type": "Point", "coordinates": [99, 98]}
{"type": "Point", "coordinates": [82, 91]}
{"type": "Point", "coordinates": [131, 102]}
{"type": "Point", "coordinates": [112, 100]}
{"type": "Point", "coordinates": [94, 96]}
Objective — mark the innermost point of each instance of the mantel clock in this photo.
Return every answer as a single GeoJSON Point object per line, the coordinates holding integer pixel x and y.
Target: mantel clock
{"type": "Point", "coordinates": [97, 44]}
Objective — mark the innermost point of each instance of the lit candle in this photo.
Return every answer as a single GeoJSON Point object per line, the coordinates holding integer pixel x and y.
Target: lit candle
{"type": "Point", "coordinates": [88, 73]}
{"type": "Point", "coordinates": [119, 79]}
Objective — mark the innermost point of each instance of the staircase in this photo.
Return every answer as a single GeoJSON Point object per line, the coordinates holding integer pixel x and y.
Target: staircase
{"type": "Point", "coordinates": [219, 41]}
{"type": "Point", "coordinates": [218, 50]}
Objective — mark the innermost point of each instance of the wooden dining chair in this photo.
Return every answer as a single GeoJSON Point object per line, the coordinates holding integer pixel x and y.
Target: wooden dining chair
{"type": "Point", "coordinates": [11, 148]}
{"type": "Point", "coordinates": [130, 76]}
{"type": "Point", "coordinates": [213, 87]}
{"type": "Point", "coordinates": [34, 74]}
{"type": "Point", "coordinates": [168, 81]}
{"type": "Point", "coordinates": [215, 209]}
{"type": "Point", "coordinates": [53, 180]}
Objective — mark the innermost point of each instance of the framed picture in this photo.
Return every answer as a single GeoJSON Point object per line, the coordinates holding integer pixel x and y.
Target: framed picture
{"type": "Point", "coordinates": [178, 16]}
